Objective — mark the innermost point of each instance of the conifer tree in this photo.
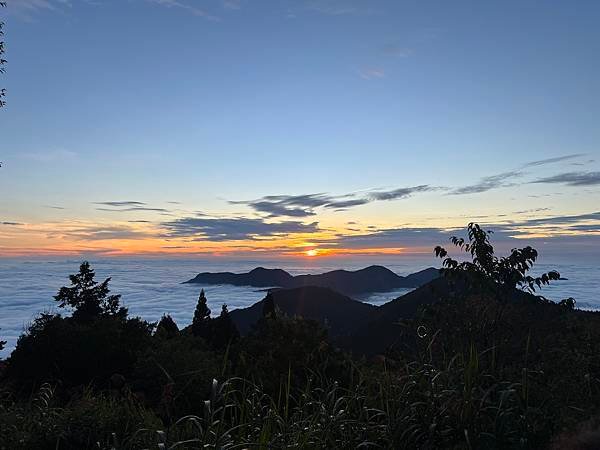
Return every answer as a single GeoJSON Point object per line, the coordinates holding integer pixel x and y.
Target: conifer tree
{"type": "Point", "coordinates": [201, 320]}
{"type": "Point", "coordinates": [269, 307]}
{"type": "Point", "coordinates": [225, 332]}
{"type": "Point", "coordinates": [88, 298]}
{"type": "Point", "coordinates": [166, 328]}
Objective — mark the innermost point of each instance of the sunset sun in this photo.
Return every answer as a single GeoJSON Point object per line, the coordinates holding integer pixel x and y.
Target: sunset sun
{"type": "Point", "coordinates": [312, 252]}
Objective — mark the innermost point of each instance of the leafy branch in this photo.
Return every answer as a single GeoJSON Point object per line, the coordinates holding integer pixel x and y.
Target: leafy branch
{"type": "Point", "coordinates": [509, 272]}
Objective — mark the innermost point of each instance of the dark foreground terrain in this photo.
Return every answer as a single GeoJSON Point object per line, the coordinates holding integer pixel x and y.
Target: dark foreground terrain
{"type": "Point", "coordinates": [472, 360]}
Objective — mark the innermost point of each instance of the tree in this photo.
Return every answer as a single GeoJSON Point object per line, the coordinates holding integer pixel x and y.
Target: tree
{"type": "Point", "coordinates": [269, 311]}
{"type": "Point", "coordinates": [2, 344]}
{"type": "Point", "coordinates": [2, 60]}
{"type": "Point", "coordinates": [487, 272]}
{"type": "Point", "coordinates": [224, 330]}
{"type": "Point", "coordinates": [201, 320]}
{"type": "Point", "coordinates": [87, 298]}
{"type": "Point", "coordinates": [166, 328]}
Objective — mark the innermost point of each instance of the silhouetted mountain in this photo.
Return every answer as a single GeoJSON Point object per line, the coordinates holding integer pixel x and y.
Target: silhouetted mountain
{"type": "Point", "coordinates": [360, 327]}
{"type": "Point", "coordinates": [259, 277]}
{"type": "Point", "coordinates": [339, 313]}
{"type": "Point", "coordinates": [370, 279]}
{"type": "Point", "coordinates": [383, 330]}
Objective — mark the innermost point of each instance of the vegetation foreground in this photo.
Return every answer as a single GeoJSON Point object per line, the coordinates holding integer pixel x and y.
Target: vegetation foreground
{"type": "Point", "coordinates": [491, 365]}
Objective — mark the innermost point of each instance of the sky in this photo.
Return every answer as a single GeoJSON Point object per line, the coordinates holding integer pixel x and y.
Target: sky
{"type": "Point", "coordinates": [313, 128]}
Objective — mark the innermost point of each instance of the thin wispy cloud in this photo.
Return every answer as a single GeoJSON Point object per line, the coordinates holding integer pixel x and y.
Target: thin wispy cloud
{"type": "Point", "coordinates": [128, 206]}
{"type": "Point", "coordinates": [530, 211]}
{"type": "Point", "coordinates": [371, 73]}
{"type": "Point", "coordinates": [572, 179]}
{"type": "Point", "coordinates": [194, 10]}
{"type": "Point", "coordinates": [105, 233]}
{"type": "Point", "coordinates": [26, 8]}
{"type": "Point", "coordinates": [232, 4]}
{"type": "Point", "coordinates": [506, 179]}
{"type": "Point", "coordinates": [397, 50]}
{"type": "Point", "coordinates": [401, 193]}
{"type": "Point", "coordinates": [488, 183]}
{"type": "Point", "coordinates": [542, 162]}
{"type": "Point", "coordinates": [133, 209]}
{"type": "Point", "coordinates": [119, 204]}
{"type": "Point", "coordinates": [558, 219]}
{"type": "Point", "coordinates": [334, 7]}
{"type": "Point", "coordinates": [12, 224]}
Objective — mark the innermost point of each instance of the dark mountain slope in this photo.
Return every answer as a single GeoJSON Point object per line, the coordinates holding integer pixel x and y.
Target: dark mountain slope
{"type": "Point", "coordinates": [341, 313]}
{"type": "Point", "coordinates": [370, 279]}
{"type": "Point", "coordinates": [382, 330]}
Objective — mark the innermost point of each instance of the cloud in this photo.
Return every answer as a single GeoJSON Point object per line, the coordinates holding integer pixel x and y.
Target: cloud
{"type": "Point", "coordinates": [104, 233]}
{"type": "Point", "coordinates": [401, 192]}
{"type": "Point", "coordinates": [528, 211]}
{"type": "Point", "coordinates": [12, 224]}
{"type": "Point", "coordinates": [395, 238]}
{"type": "Point", "coordinates": [556, 229]}
{"type": "Point", "coordinates": [232, 4]}
{"type": "Point", "coordinates": [371, 73]}
{"type": "Point", "coordinates": [333, 7]}
{"type": "Point", "coordinates": [275, 209]}
{"type": "Point", "coordinates": [572, 179]}
{"type": "Point", "coordinates": [185, 7]}
{"type": "Point", "coordinates": [25, 8]}
{"type": "Point", "coordinates": [488, 183]}
{"type": "Point", "coordinates": [234, 229]}
{"type": "Point", "coordinates": [542, 162]}
{"type": "Point", "coordinates": [304, 205]}
{"type": "Point", "coordinates": [128, 206]}
{"type": "Point", "coordinates": [136, 208]}
{"type": "Point", "coordinates": [397, 50]}
{"type": "Point", "coordinates": [501, 180]}
{"type": "Point", "coordinates": [121, 203]}
{"type": "Point", "coordinates": [344, 204]}
{"type": "Point", "coordinates": [558, 220]}
{"type": "Point", "coordinates": [295, 205]}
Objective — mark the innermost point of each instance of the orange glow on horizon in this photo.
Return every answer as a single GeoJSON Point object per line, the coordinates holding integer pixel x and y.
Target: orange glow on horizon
{"type": "Point", "coordinates": [123, 238]}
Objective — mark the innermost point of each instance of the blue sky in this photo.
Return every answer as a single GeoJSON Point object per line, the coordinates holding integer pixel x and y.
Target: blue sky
{"type": "Point", "coordinates": [181, 107]}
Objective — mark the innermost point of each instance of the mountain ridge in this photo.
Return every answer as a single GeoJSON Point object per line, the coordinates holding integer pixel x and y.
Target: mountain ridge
{"type": "Point", "coordinates": [373, 278]}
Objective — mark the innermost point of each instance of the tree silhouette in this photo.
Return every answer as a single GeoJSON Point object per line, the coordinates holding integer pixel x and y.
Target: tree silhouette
{"type": "Point", "coordinates": [2, 60]}
{"type": "Point", "coordinates": [166, 328]}
{"type": "Point", "coordinates": [201, 320]}
{"type": "Point", "coordinates": [486, 271]}
{"type": "Point", "coordinates": [269, 311]}
{"type": "Point", "coordinates": [87, 298]}
{"type": "Point", "coordinates": [2, 344]}
{"type": "Point", "coordinates": [224, 331]}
